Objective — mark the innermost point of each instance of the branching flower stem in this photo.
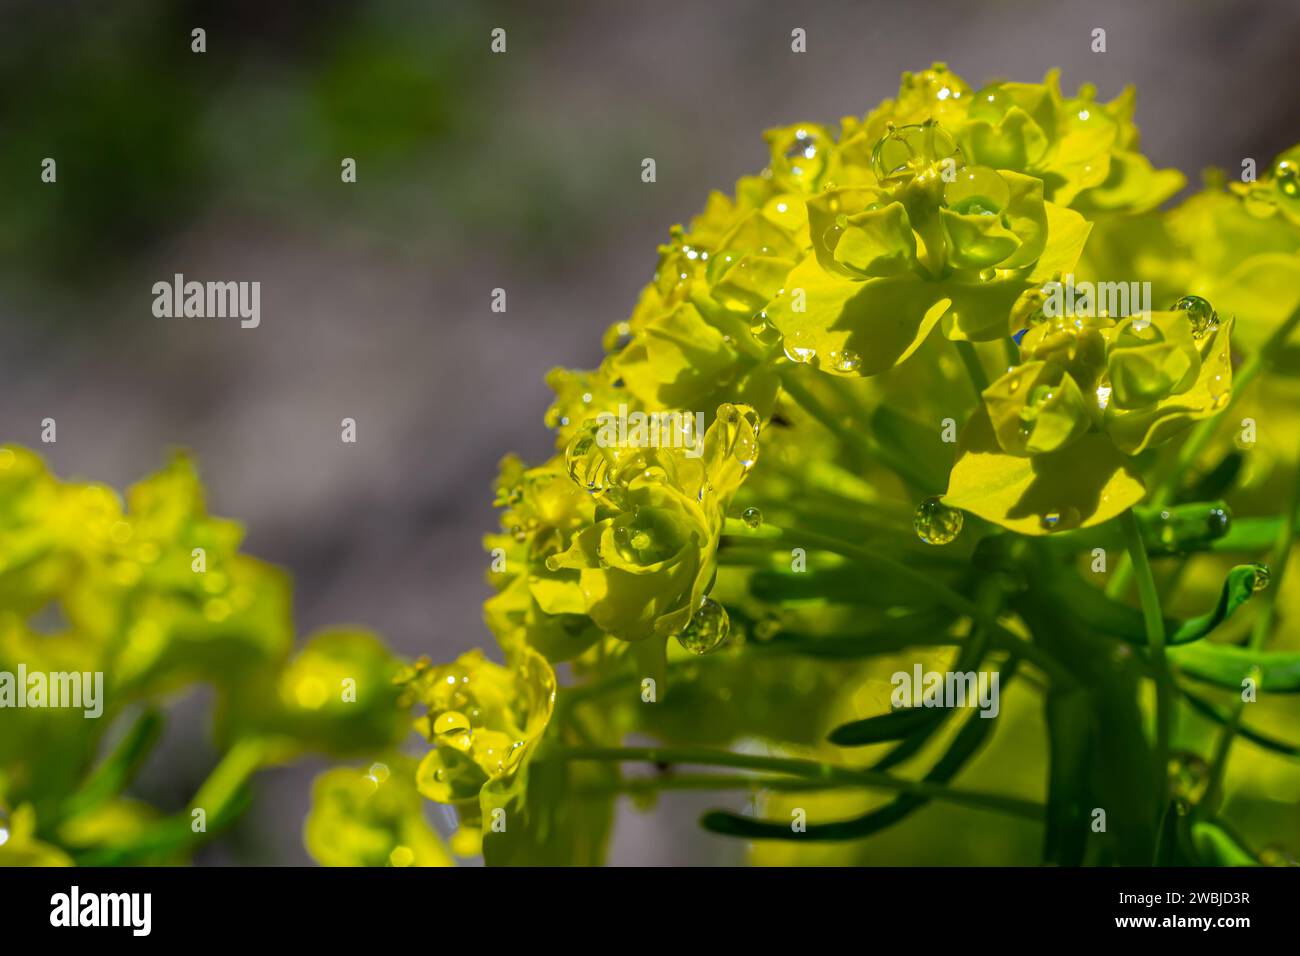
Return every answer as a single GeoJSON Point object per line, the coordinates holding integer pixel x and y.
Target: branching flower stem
{"type": "Point", "coordinates": [812, 770]}
{"type": "Point", "coordinates": [942, 594]}
{"type": "Point", "coordinates": [858, 443]}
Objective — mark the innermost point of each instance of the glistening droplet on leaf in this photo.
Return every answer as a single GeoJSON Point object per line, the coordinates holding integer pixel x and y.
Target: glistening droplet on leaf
{"type": "Point", "coordinates": [763, 331]}
{"type": "Point", "coordinates": [707, 630]}
{"type": "Point", "coordinates": [846, 360]}
{"type": "Point", "coordinates": [1286, 176]}
{"type": "Point", "coordinates": [741, 426]}
{"type": "Point", "coordinates": [936, 523]}
{"type": "Point", "coordinates": [752, 517]}
{"type": "Point", "coordinates": [798, 350]}
{"type": "Point", "coordinates": [1200, 315]}
{"type": "Point", "coordinates": [1262, 576]}
{"type": "Point", "coordinates": [1059, 519]}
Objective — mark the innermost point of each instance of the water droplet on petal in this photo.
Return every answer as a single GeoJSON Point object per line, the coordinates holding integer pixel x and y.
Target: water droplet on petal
{"type": "Point", "coordinates": [798, 350]}
{"type": "Point", "coordinates": [1200, 315]}
{"type": "Point", "coordinates": [936, 523]}
{"type": "Point", "coordinates": [1286, 176]}
{"type": "Point", "coordinates": [707, 630]}
{"type": "Point", "coordinates": [1060, 519]}
{"type": "Point", "coordinates": [846, 360]}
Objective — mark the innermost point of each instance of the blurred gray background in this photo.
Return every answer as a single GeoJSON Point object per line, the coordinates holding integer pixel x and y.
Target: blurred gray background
{"type": "Point", "coordinates": [474, 171]}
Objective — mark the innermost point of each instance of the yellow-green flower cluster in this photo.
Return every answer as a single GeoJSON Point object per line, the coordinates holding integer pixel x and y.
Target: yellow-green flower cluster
{"type": "Point", "coordinates": [153, 594]}
{"type": "Point", "coordinates": [933, 229]}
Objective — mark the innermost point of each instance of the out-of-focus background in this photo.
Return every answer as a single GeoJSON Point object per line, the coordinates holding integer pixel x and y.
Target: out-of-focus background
{"type": "Point", "coordinates": [475, 171]}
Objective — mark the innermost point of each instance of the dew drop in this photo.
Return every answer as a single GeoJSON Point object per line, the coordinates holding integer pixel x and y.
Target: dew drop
{"type": "Point", "coordinates": [936, 523]}
{"type": "Point", "coordinates": [1059, 519]}
{"type": "Point", "coordinates": [846, 360]}
{"type": "Point", "coordinates": [707, 630]}
{"type": "Point", "coordinates": [1261, 579]}
{"type": "Point", "coordinates": [798, 350]}
{"type": "Point", "coordinates": [1286, 176]}
{"type": "Point", "coordinates": [752, 517]}
{"type": "Point", "coordinates": [1218, 521]}
{"type": "Point", "coordinates": [1200, 315]}
{"type": "Point", "coordinates": [763, 331]}
{"type": "Point", "coordinates": [451, 722]}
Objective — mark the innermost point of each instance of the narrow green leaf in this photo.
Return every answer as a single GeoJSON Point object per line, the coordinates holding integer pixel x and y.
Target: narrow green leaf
{"type": "Point", "coordinates": [894, 725]}
{"type": "Point", "coordinates": [1225, 665]}
{"type": "Point", "coordinates": [1113, 619]}
{"type": "Point", "coordinates": [968, 741]}
{"type": "Point", "coordinates": [119, 768]}
{"type": "Point", "coordinates": [1218, 847]}
{"type": "Point", "coordinates": [1238, 587]}
{"type": "Point", "coordinates": [923, 628]}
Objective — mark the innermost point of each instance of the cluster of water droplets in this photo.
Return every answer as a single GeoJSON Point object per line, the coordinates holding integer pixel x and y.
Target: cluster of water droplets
{"type": "Point", "coordinates": [1280, 187]}
{"type": "Point", "coordinates": [805, 155]}
{"type": "Point", "coordinates": [1190, 527]}
{"type": "Point", "coordinates": [601, 468]}
{"type": "Point", "coordinates": [465, 747]}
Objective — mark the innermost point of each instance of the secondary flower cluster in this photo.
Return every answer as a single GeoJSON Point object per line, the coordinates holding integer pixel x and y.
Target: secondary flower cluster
{"type": "Point", "coordinates": [154, 595]}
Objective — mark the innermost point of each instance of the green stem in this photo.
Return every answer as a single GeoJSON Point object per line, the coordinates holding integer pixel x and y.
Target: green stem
{"type": "Point", "coordinates": [1011, 350]}
{"type": "Point", "coordinates": [941, 593]}
{"type": "Point", "coordinates": [970, 357]}
{"type": "Point", "coordinates": [812, 770]}
{"type": "Point", "coordinates": [118, 770]}
{"type": "Point", "coordinates": [860, 445]}
{"type": "Point", "coordinates": [218, 797]}
{"type": "Point", "coordinates": [1154, 623]}
{"type": "Point", "coordinates": [226, 779]}
{"type": "Point", "coordinates": [719, 781]}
